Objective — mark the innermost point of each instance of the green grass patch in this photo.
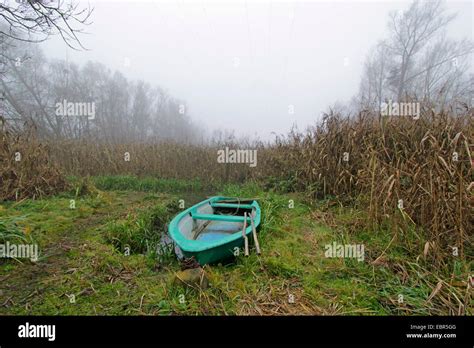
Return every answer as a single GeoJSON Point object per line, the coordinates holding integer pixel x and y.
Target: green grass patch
{"type": "Point", "coordinates": [84, 255]}
{"type": "Point", "coordinates": [147, 184]}
{"type": "Point", "coordinates": [141, 231]}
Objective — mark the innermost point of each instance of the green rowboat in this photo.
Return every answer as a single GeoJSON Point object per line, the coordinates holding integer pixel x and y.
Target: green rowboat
{"type": "Point", "coordinates": [211, 230]}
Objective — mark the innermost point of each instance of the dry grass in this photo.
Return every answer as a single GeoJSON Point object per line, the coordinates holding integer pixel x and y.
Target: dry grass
{"type": "Point", "coordinates": [163, 160]}
{"type": "Point", "coordinates": [424, 164]}
{"type": "Point", "coordinates": [26, 169]}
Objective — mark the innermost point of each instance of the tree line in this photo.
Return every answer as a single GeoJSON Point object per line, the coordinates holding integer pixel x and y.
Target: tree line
{"type": "Point", "coordinates": [417, 61]}
{"type": "Point", "coordinates": [35, 88]}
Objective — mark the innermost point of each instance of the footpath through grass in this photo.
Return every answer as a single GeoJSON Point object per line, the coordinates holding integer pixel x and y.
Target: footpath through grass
{"type": "Point", "coordinates": [100, 254]}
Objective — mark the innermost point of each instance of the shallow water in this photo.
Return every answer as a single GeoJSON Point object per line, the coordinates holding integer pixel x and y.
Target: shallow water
{"type": "Point", "coordinates": [211, 236]}
{"type": "Point", "coordinates": [219, 229]}
{"type": "Point", "coordinates": [225, 227]}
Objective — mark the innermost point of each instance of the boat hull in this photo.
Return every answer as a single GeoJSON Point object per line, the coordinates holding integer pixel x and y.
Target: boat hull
{"type": "Point", "coordinates": [209, 237]}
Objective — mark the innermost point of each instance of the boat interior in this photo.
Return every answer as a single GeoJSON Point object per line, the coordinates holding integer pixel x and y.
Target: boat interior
{"type": "Point", "coordinates": [215, 220]}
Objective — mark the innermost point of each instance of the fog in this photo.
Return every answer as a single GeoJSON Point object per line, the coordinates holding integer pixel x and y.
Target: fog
{"type": "Point", "coordinates": [244, 65]}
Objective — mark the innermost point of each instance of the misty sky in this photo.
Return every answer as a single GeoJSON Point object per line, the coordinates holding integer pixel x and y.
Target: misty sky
{"type": "Point", "coordinates": [239, 65]}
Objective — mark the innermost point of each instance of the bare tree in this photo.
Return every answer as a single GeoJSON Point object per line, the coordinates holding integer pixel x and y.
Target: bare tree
{"type": "Point", "coordinates": [374, 78]}
{"type": "Point", "coordinates": [410, 31]}
{"type": "Point", "coordinates": [36, 20]}
{"type": "Point", "coordinates": [417, 60]}
{"type": "Point", "coordinates": [442, 70]}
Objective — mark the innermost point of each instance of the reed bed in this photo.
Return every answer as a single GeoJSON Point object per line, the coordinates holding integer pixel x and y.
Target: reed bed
{"type": "Point", "coordinates": [163, 160]}
{"type": "Point", "coordinates": [414, 173]}
{"type": "Point", "coordinates": [417, 174]}
{"type": "Point", "coordinates": [26, 167]}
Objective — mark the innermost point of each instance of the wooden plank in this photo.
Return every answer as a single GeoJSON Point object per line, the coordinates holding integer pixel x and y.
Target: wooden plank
{"type": "Point", "coordinates": [231, 205]}
{"type": "Point", "coordinates": [246, 240]}
{"type": "Point", "coordinates": [237, 200]}
{"type": "Point", "coordinates": [254, 233]}
{"type": "Point", "coordinates": [228, 218]}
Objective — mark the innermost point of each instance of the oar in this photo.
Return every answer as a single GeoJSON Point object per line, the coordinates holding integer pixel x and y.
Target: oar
{"type": "Point", "coordinates": [254, 233]}
{"type": "Point", "coordinates": [246, 241]}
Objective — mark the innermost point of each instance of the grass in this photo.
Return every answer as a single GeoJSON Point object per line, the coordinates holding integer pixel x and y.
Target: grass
{"type": "Point", "coordinates": [147, 184]}
{"type": "Point", "coordinates": [84, 269]}
{"type": "Point", "coordinates": [141, 231]}
{"type": "Point", "coordinates": [11, 230]}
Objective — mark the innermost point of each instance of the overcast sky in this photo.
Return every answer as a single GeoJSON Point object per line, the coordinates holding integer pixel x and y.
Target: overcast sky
{"type": "Point", "coordinates": [239, 65]}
